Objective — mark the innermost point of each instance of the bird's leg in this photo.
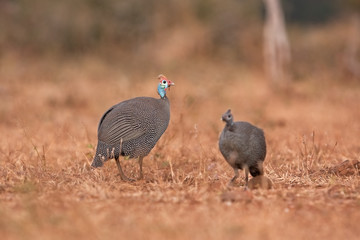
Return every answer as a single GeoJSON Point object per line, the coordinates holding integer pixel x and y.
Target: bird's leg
{"type": "Point", "coordinates": [246, 168]}
{"type": "Point", "coordinates": [122, 175]}
{"type": "Point", "coordinates": [140, 165]}
{"type": "Point", "coordinates": [236, 175]}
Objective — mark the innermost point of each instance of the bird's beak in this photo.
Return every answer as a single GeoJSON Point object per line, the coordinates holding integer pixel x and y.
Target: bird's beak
{"type": "Point", "coordinates": [170, 84]}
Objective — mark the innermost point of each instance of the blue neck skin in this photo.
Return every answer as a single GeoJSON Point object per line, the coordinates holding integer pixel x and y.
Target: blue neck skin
{"type": "Point", "coordinates": [161, 91]}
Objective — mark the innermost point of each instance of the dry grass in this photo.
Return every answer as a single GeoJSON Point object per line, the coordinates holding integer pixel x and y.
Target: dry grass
{"type": "Point", "coordinates": [48, 120]}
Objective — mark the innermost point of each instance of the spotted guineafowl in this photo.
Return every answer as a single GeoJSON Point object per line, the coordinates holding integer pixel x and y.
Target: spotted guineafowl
{"type": "Point", "coordinates": [132, 128]}
{"type": "Point", "coordinates": [243, 147]}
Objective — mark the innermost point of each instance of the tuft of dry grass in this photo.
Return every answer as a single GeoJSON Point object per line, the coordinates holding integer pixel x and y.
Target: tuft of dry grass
{"type": "Point", "coordinates": [48, 190]}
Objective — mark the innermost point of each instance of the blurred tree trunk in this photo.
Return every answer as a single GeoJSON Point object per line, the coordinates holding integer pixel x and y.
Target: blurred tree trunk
{"type": "Point", "coordinates": [352, 64]}
{"type": "Point", "coordinates": [276, 44]}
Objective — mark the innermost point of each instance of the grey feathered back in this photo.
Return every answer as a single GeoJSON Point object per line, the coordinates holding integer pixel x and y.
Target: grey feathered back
{"type": "Point", "coordinates": [242, 145]}
{"type": "Point", "coordinates": [139, 122]}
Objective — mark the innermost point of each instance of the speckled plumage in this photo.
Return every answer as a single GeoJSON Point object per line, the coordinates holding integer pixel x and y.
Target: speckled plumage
{"type": "Point", "coordinates": [243, 146]}
{"type": "Point", "coordinates": [132, 128]}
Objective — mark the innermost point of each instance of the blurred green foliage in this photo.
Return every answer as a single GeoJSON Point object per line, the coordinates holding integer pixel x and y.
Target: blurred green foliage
{"type": "Point", "coordinates": [309, 11]}
{"type": "Point", "coordinates": [68, 26]}
{"type": "Point", "coordinates": [74, 25]}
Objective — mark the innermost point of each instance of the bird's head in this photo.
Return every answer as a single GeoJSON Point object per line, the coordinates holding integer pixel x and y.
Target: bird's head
{"type": "Point", "coordinates": [164, 84]}
{"type": "Point", "coordinates": [227, 117]}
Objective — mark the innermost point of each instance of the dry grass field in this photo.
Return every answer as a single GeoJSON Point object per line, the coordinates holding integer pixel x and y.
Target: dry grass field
{"type": "Point", "coordinates": [49, 111]}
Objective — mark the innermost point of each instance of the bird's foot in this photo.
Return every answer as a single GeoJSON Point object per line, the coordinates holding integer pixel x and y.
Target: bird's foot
{"type": "Point", "coordinates": [128, 179]}
{"type": "Point", "coordinates": [140, 177]}
{"type": "Point", "coordinates": [125, 178]}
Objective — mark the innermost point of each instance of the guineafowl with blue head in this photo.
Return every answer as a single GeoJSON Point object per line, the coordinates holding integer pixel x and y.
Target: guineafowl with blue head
{"type": "Point", "coordinates": [133, 127]}
{"type": "Point", "coordinates": [243, 147]}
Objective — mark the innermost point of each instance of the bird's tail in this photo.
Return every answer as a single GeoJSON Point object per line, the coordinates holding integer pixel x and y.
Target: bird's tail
{"type": "Point", "coordinates": [97, 162]}
{"type": "Point", "coordinates": [101, 155]}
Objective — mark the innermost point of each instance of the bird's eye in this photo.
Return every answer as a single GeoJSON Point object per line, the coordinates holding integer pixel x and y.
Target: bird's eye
{"type": "Point", "coordinates": [164, 82]}
{"type": "Point", "coordinates": [229, 116]}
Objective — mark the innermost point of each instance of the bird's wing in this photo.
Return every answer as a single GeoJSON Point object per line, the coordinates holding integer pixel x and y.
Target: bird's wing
{"type": "Point", "coordinates": [117, 124]}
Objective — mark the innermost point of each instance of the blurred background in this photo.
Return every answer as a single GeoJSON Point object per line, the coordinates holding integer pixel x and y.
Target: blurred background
{"type": "Point", "coordinates": [173, 34]}
{"type": "Point", "coordinates": [65, 62]}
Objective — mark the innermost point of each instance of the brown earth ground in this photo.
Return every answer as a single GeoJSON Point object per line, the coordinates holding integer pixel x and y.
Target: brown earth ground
{"type": "Point", "coordinates": [49, 113]}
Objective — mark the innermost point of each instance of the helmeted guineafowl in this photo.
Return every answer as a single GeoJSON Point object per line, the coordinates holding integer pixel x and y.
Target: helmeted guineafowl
{"type": "Point", "coordinates": [243, 147]}
{"type": "Point", "coordinates": [132, 128]}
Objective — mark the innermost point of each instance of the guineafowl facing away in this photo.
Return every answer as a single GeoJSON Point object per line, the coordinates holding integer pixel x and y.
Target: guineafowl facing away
{"type": "Point", "coordinates": [132, 128]}
{"type": "Point", "coordinates": [243, 147]}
